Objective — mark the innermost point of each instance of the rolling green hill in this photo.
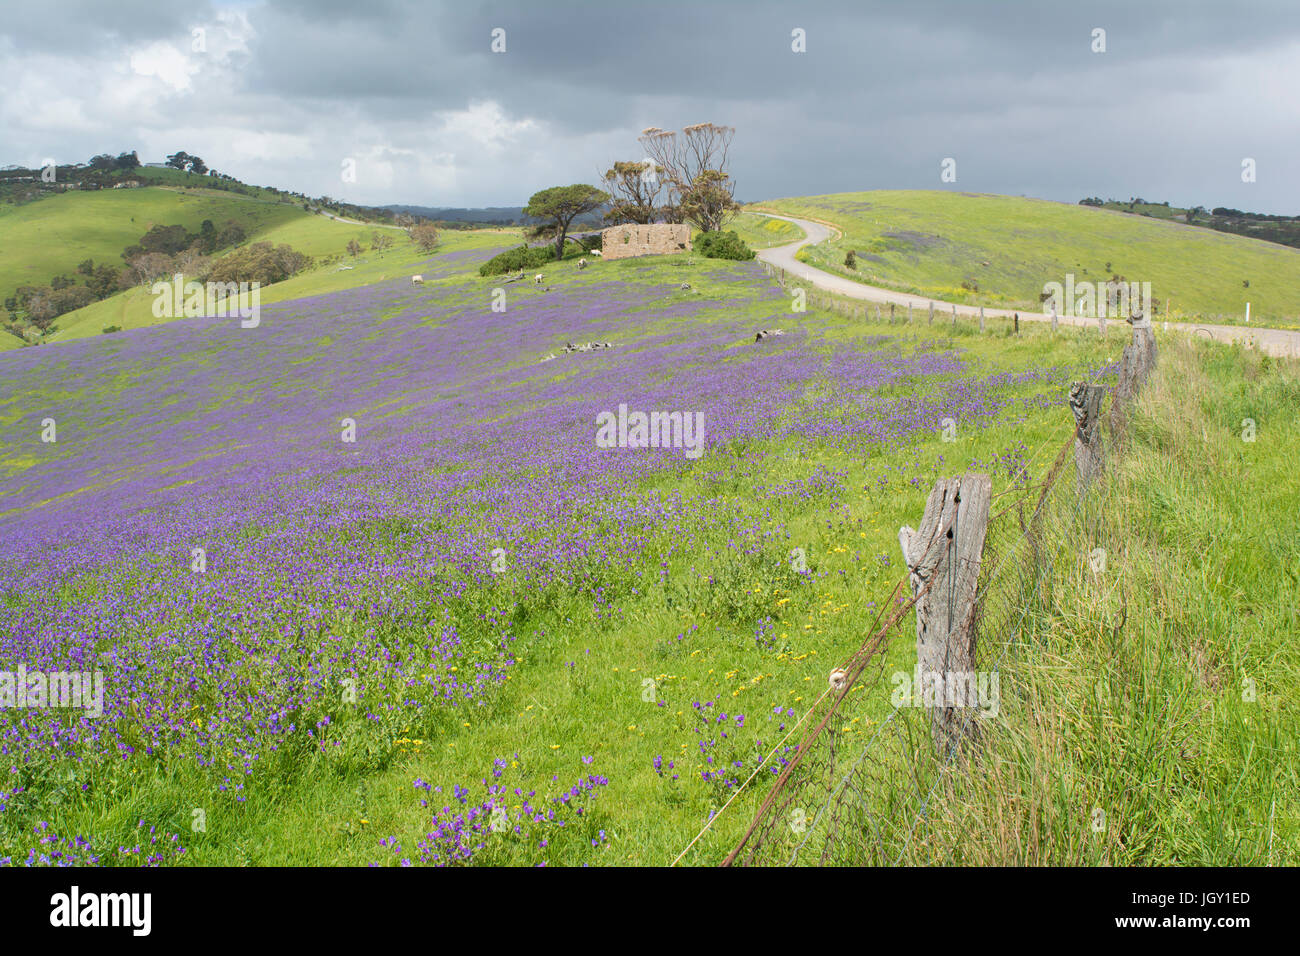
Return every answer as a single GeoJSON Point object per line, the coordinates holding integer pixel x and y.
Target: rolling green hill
{"type": "Point", "coordinates": [1001, 250]}
{"type": "Point", "coordinates": [315, 235]}
{"type": "Point", "coordinates": [43, 239]}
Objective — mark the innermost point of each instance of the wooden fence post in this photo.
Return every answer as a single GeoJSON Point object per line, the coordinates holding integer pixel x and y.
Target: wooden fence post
{"type": "Point", "coordinates": [1053, 316]}
{"type": "Point", "coordinates": [909, 313]}
{"type": "Point", "coordinates": [981, 319]}
{"type": "Point", "coordinates": [891, 313]}
{"type": "Point", "coordinates": [1017, 323]}
{"type": "Point", "coordinates": [1085, 402]}
{"type": "Point", "coordinates": [945, 555]}
{"type": "Point", "coordinates": [954, 316]}
{"type": "Point", "coordinates": [1135, 367]}
{"type": "Point", "coordinates": [932, 313]}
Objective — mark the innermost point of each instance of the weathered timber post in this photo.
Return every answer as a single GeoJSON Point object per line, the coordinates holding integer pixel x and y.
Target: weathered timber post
{"type": "Point", "coordinates": [891, 313]}
{"type": "Point", "coordinates": [1135, 367]}
{"type": "Point", "coordinates": [1101, 322]}
{"type": "Point", "coordinates": [1017, 323]}
{"type": "Point", "coordinates": [954, 316]}
{"type": "Point", "coordinates": [1089, 455]}
{"type": "Point", "coordinates": [943, 559]}
{"type": "Point", "coordinates": [1053, 316]}
{"type": "Point", "coordinates": [932, 313]}
{"type": "Point", "coordinates": [981, 319]}
{"type": "Point", "coordinates": [909, 313]}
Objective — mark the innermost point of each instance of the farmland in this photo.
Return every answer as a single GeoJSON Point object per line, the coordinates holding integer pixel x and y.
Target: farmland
{"type": "Point", "coordinates": [362, 583]}
{"type": "Point", "coordinates": [1000, 250]}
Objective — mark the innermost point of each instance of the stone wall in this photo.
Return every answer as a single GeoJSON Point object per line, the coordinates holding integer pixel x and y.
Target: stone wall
{"type": "Point", "coordinates": [658, 239]}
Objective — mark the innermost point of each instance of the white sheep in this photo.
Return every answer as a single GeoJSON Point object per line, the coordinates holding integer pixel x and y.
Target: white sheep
{"type": "Point", "coordinates": [595, 252]}
{"type": "Point", "coordinates": [417, 280]}
{"type": "Point", "coordinates": [538, 278]}
{"type": "Point", "coordinates": [582, 263]}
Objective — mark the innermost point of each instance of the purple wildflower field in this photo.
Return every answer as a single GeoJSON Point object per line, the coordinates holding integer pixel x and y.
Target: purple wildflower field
{"type": "Point", "coordinates": [368, 567]}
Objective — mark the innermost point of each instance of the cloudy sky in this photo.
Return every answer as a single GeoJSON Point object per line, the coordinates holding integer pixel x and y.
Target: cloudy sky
{"type": "Point", "coordinates": [284, 92]}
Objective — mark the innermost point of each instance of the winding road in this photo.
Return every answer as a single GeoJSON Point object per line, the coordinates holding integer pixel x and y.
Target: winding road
{"type": "Point", "coordinates": [1280, 342]}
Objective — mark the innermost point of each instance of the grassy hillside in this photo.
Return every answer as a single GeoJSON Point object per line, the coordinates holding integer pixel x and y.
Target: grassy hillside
{"type": "Point", "coordinates": [367, 567]}
{"type": "Point", "coordinates": [1006, 248]}
{"type": "Point", "coordinates": [321, 238]}
{"type": "Point", "coordinates": [43, 239]}
{"type": "Point", "coordinates": [760, 232]}
{"type": "Point", "coordinates": [1160, 689]}
{"type": "Point", "coordinates": [620, 566]}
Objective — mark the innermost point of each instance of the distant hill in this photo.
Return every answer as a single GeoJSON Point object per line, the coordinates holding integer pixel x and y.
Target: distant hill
{"type": "Point", "coordinates": [1284, 230]}
{"type": "Point", "coordinates": [495, 215]}
{"type": "Point", "coordinates": [63, 236]}
{"type": "Point", "coordinates": [1001, 250]}
{"type": "Point", "coordinates": [485, 215]}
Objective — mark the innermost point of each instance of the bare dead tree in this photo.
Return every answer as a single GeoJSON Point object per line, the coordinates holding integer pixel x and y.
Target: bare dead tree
{"type": "Point", "coordinates": [695, 165]}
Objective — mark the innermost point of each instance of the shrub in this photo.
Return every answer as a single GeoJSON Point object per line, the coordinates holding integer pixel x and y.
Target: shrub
{"type": "Point", "coordinates": [261, 262]}
{"type": "Point", "coordinates": [851, 260]}
{"type": "Point", "coordinates": [512, 260]}
{"type": "Point", "coordinates": [722, 245]}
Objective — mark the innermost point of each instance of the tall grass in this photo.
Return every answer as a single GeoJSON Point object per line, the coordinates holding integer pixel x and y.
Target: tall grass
{"type": "Point", "coordinates": [1148, 713]}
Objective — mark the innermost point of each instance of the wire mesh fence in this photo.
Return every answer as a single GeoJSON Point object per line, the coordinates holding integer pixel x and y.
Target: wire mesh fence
{"type": "Point", "coordinates": [845, 801]}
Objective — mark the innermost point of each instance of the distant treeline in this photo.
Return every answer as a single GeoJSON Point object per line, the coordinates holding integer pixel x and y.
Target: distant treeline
{"type": "Point", "coordinates": [19, 184]}
{"type": "Point", "coordinates": [485, 217]}
{"type": "Point", "coordinates": [1284, 230]}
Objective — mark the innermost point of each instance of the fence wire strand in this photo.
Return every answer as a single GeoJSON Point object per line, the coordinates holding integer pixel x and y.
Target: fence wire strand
{"type": "Point", "coordinates": [865, 798]}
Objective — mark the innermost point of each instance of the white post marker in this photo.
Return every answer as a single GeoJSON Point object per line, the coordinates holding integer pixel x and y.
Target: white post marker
{"type": "Point", "coordinates": [1248, 313]}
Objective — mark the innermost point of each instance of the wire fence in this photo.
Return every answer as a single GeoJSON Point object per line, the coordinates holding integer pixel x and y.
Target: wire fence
{"type": "Point", "coordinates": [843, 801]}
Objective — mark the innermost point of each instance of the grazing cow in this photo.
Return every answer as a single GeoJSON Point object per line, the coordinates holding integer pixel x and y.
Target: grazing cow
{"type": "Point", "coordinates": [417, 280]}
{"type": "Point", "coordinates": [538, 278]}
{"type": "Point", "coordinates": [582, 263]}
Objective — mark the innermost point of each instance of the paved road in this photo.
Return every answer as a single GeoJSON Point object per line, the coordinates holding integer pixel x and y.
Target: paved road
{"type": "Point", "coordinates": [1272, 341]}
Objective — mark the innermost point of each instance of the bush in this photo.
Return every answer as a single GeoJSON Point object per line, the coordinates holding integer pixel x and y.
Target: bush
{"type": "Point", "coordinates": [851, 260]}
{"type": "Point", "coordinates": [261, 262]}
{"type": "Point", "coordinates": [722, 245]}
{"type": "Point", "coordinates": [513, 260]}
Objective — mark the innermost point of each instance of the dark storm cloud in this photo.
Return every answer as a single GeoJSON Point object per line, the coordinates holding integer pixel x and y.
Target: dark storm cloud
{"type": "Point", "coordinates": [1011, 90]}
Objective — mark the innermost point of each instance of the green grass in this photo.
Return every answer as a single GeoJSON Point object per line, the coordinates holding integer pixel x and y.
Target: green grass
{"type": "Point", "coordinates": [42, 239]}
{"type": "Point", "coordinates": [760, 232]}
{"type": "Point", "coordinates": [552, 714]}
{"type": "Point", "coordinates": [1201, 533]}
{"type": "Point", "coordinates": [133, 309]}
{"type": "Point", "coordinates": [931, 242]}
{"type": "Point", "coordinates": [1161, 690]}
